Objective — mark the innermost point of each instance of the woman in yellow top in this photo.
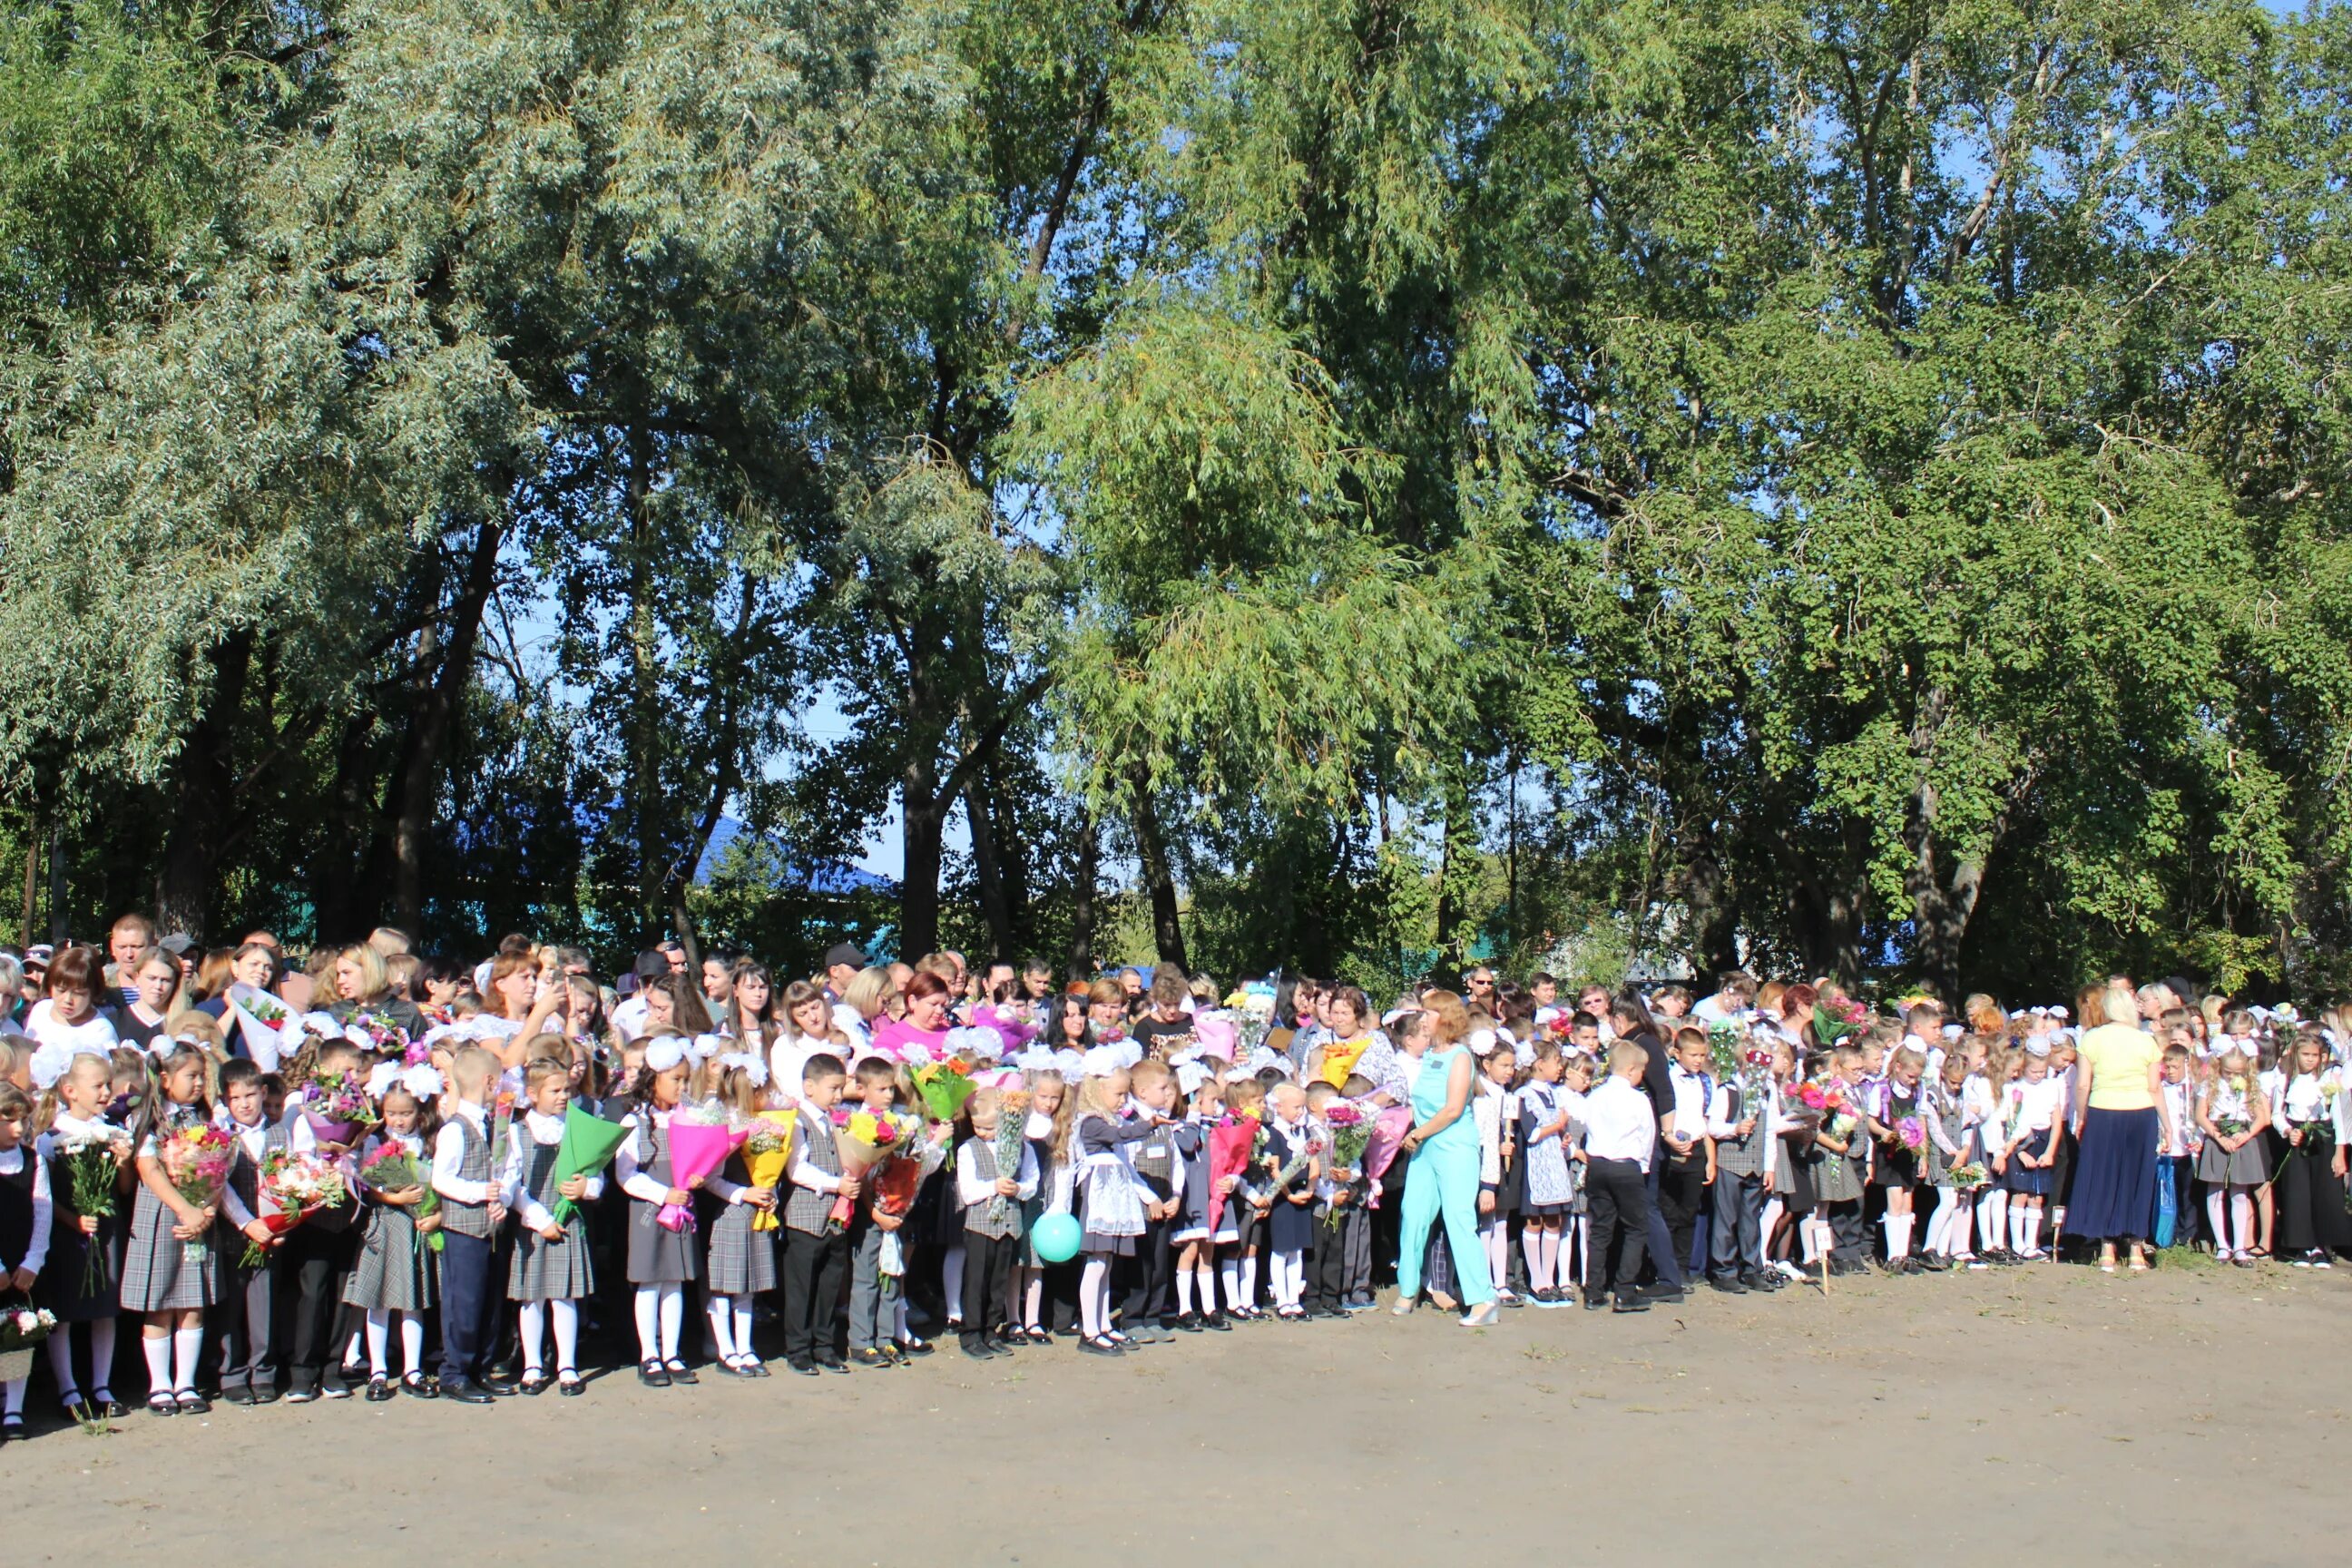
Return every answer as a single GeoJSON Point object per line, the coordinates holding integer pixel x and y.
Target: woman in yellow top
{"type": "Point", "coordinates": [2118, 1123]}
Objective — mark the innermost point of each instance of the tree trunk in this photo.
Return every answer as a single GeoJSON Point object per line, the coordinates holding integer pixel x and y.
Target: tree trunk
{"type": "Point", "coordinates": [202, 795]}
{"type": "Point", "coordinates": [61, 921]}
{"type": "Point", "coordinates": [33, 877]}
{"type": "Point", "coordinates": [1086, 868]}
{"type": "Point", "coordinates": [922, 818]}
{"type": "Point", "coordinates": [1166, 928]}
{"type": "Point", "coordinates": [993, 907]}
{"type": "Point", "coordinates": [644, 783]}
{"type": "Point", "coordinates": [430, 723]}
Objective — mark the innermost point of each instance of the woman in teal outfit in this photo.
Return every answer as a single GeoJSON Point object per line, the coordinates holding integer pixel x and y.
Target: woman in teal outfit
{"type": "Point", "coordinates": [1443, 1176]}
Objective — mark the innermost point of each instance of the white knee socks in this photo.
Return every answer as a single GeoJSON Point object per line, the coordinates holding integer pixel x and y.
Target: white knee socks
{"type": "Point", "coordinates": [566, 1315]}
{"type": "Point", "coordinates": [1229, 1273]}
{"type": "Point", "coordinates": [1286, 1273]}
{"type": "Point", "coordinates": [1498, 1252]}
{"type": "Point", "coordinates": [721, 1312]}
{"type": "Point", "coordinates": [1183, 1291]}
{"type": "Point", "coordinates": [61, 1363]}
{"type": "Point", "coordinates": [12, 1395]}
{"type": "Point", "coordinates": [187, 1345]}
{"type": "Point", "coordinates": [159, 1362]}
{"type": "Point", "coordinates": [951, 1281]}
{"type": "Point", "coordinates": [1992, 1217]}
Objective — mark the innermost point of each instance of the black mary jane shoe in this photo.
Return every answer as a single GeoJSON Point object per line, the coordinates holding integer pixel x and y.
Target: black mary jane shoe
{"type": "Point", "coordinates": [12, 1429]}
{"type": "Point", "coordinates": [1101, 1344]}
{"type": "Point", "coordinates": [162, 1404]}
{"type": "Point", "coordinates": [653, 1375]}
{"type": "Point", "coordinates": [681, 1374]}
{"type": "Point", "coordinates": [417, 1385]}
{"type": "Point", "coordinates": [1038, 1336]}
{"type": "Point", "coordinates": [568, 1384]}
{"type": "Point", "coordinates": [379, 1390]}
{"type": "Point", "coordinates": [534, 1383]}
{"type": "Point", "coordinates": [108, 1406]}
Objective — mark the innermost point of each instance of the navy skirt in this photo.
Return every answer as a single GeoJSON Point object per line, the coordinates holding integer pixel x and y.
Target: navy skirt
{"type": "Point", "coordinates": [2115, 1176]}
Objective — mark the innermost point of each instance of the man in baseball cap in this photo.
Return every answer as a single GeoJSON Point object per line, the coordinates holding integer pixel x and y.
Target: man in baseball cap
{"type": "Point", "coordinates": [842, 963]}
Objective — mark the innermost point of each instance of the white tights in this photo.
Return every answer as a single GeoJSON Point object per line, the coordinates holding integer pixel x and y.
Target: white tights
{"type": "Point", "coordinates": [411, 1339]}
{"type": "Point", "coordinates": [662, 1305]}
{"type": "Point", "coordinates": [2242, 1216]}
{"type": "Point", "coordinates": [1286, 1274]}
{"type": "Point", "coordinates": [565, 1316]}
{"type": "Point", "coordinates": [730, 1325]}
{"type": "Point", "coordinates": [1093, 1298]}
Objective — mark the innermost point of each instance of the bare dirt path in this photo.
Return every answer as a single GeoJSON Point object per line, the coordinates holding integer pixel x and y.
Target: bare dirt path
{"type": "Point", "coordinates": [1978, 1418]}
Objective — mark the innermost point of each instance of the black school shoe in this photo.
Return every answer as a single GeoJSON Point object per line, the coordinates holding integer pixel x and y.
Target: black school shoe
{"type": "Point", "coordinates": [465, 1392]}
{"type": "Point", "coordinates": [652, 1373]}
{"type": "Point", "coordinates": [1629, 1304]}
{"type": "Point", "coordinates": [975, 1347]}
{"type": "Point", "coordinates": [1728, 1286]}
{"type": "Point", "coordinates": [803, 1368]}
{"type": "Point", "coordinates": [1217, 1322]}
{"type": "Point", "coordinates": [1190, 1323]}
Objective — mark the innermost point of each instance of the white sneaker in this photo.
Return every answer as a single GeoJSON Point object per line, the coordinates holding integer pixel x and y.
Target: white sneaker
{"type": "Point", "coordinates": [1790, 1271]}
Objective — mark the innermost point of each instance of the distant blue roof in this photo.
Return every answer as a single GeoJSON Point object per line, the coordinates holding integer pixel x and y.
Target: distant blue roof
{"type": "Point", "coordinates": [818, 875]}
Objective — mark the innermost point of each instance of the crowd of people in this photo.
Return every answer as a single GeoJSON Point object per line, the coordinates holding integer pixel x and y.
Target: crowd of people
{"type": "Point", "coordinates": [367, 1172]}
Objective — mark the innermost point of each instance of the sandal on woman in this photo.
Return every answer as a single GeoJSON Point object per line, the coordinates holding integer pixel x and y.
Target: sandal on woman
{"type": "Point", "coordinates": [1482, 1317]}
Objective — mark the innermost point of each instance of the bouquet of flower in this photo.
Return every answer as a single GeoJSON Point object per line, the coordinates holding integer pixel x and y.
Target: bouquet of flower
{"type": "Point", "coordinates": [1912, 1134]}
{"type": "Point", "coordinates": [297, 1186]}
{"type": "Point", "coordinates": [1389, 1128]}
{"type": "Point", "coordinates": [92, 1169]}
{"type": "Point", "coordinates": [197, 1157]}
{"type": "Point", "coordinates": [1351, 1134]}
{"type": "Point", "coordinates": [589, 1142]}
{"type": "Point", "coordinates": [1011, 1138]}
{"type": "Point", "coordinates": [767, 1153]}
{"type": "Point", "coordinates": [22, 1328]}
{"type": "Point", "coordinates": [385, 1037]}
{"type": "Point", "coordinates": [1836, 1015]}
{"type": "Point", "coordinates": [1296, 1166]}
{"type": "Point", "coordinates": [864, 1139]}
{"type": "Point", "coordinates": [893, 1184]}
{"type": "Point", "coordinates": [943, 1087]}
{"type": "Point", "coordinates": [700, 1139]}
{"type": "Point", "coordinates": [1968, 1178]}
{"type": "Point", "coordinates": [1233, 1144]}
{"type": "Point", "coordinates": [394, 1170]}
{"type": "Point", "coordinates": [336, 1107]}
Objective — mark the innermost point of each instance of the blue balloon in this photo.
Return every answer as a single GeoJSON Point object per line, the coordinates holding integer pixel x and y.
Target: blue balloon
{"type": "Point", "coordinates": [1056, 1237]}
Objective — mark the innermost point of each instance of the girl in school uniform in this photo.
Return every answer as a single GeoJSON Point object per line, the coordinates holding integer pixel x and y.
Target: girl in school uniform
{"type": "Point", "coordinates": [661, 1261]}
{"type": "Point", "coordinates": [741, 1262]}
{"type": "Point", "coordinates": [1495, 1107]}
{"type": "Point", "coordinates": [394, 1278]}
{"type": "Point", "coordinates": [2034, 1103]}
{"type": "Point", "coordinates": [1895, 1168]}
{"type": "Point", "coordinates": [1247, 1208]}
{"type": "Point", "coordinates": [2233, 1114]}
{"type": "Point", "coordinates": [1052, 1117]}
{"type": "Point", "coordinates": [1113, 1215]}
{"type": "Point", "coordinates": [1945, 1113]}
{"type": "Point", "coordinates": [554, 1269]}
{"type": "Point", "coordinates": [1289, 1136]}
{"type": "Point", "coordinates": [2312, 1224]}
{"type": "Point", "coordinates": [83, 1282]}
{"type": "Point", "coordinates": [1196, 1267]}
{"type": "Point", "coordinates": [168, 1263]}
{"type": "Point", "coordinates": [1544, 1124]}
{"type": "Point", "coordinates": [27, 1216]}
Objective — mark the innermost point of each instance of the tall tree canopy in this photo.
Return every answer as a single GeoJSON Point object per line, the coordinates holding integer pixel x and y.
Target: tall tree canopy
{"type": "Point", "coordinates": [1855, 486]}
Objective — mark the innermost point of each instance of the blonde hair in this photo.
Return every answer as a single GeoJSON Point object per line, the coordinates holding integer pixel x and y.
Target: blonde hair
{"type": "Point", "coordinates": [1626, 1054]}
{"type": "Point", "coordinates": [1095, 1095]}
{"type": "Point", "coordinates": [868, 991]}
{"type": "Point", "coordinates": [375, 981]}
{"type": "Point", "coordinates": [471, 1066]}
{"type": "Point", "coordinates": [1066, 1112]}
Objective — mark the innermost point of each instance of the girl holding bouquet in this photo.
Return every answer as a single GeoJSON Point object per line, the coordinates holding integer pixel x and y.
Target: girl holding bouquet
{"type": "Point", "coordinates": [741, 1262]}
{"type": "Point", "coordinates": [2311, 1218]}
{"type": "Point", "coordinates": [394, 1275]}
{"type": "Point", "coordinates": [167, 1270]}
{"type": "Point", "coordinates": [83, 1282]}
{"type": "Point", "coordinates": [1951, 1146]}
{"type": "Point", "coordinates": [1113, 1219]}
{"type": "Point", "coordinates": [660, 1260]}
{"type": "Point", "coordinates": [26, 1219]}
{"type": "Point", "coordinates": [2233, 1113]}
{"type": "Point", "coordinates": [1901, 1134]}
{"type": "Point", "coordinates": [554, 1269]}
{"type": "Point", "coordinates": [1195, 1241]}
{"type": "Point", "coordinates": [1052, 1116]}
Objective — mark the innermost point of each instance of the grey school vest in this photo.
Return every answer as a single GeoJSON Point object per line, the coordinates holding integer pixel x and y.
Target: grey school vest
{"type": "Point", "coordinates": [473, 1165]}
{"type": "Point", "coordinates": [1741, 1156]}
{"type": "Point", "coordinates": [977, 1220]}
{"type": "Point", "coordinates": [807, 1209]}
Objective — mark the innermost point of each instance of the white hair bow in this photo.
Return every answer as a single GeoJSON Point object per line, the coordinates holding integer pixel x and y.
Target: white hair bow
{"type": "Point", "coordinates": [749, 1066]}
{"type": "Point", "coordinates": [381, 1078]}
{"type": "Point", "coordinates": [423, 1080]}
{"type": "Point", "coordinates": [702, 1047]}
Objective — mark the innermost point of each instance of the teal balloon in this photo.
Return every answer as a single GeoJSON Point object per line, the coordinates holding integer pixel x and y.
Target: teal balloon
{"type": "Point", "coordinates": [1056, 1237]}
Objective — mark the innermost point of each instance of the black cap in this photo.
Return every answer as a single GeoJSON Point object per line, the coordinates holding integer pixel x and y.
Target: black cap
{"type": "Point", "coordinates": [650, 966]}
{"type": "Point", "coordinates": [177, 945]}
{"type": "Point", "coordinates": [843, 952]}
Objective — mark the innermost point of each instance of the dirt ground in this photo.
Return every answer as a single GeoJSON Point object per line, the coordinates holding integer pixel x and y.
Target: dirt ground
{"type": "Point", "coordinates": [1929, 1420]}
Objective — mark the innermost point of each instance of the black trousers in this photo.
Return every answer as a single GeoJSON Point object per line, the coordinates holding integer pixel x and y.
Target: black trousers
{"type": "Point", "coordinates": [1619, 1200]}
{"type": "Point", "coordinates": [815, 1268]}
{"type": "Point", "coordinates": [1736, 1238]}
{"type": "Point", "coordinates": [313, 1265]}
{"type": "Point", "coordinates": [242, 1320]}
{"type": "Point", "coordinates": [1847, 1235]}
{"type": "Point", "coordinates": [1326, 1263]}
{"type": "Point", "coordinates": [466, 1305]}
{"type": "Point", "coordinates": [1682, 1193]}
{"type": "Point", "coordinates": [1150, 1277]}
{"type": "Point", "coordinates": [1658, 1240]}
{"type": "Point", "coordinates": [987, 1272]}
